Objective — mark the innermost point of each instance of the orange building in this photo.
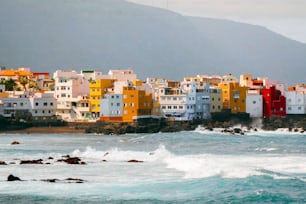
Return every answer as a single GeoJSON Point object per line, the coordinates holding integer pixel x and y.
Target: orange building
{"type": "Point", "coordinates": [234, 97]}
{"type": "Point", "coordinates": [14, 74]}
{"type": "Point", "coordinates": [136, 104]}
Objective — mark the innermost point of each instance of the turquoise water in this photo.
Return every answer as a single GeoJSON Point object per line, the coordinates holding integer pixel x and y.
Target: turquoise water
{"type": "Point", "coordinates": [184, 167]}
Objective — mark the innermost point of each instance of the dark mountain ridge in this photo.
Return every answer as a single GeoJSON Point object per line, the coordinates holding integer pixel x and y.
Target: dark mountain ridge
{"type": "Point", "coordinates": [102, 34]}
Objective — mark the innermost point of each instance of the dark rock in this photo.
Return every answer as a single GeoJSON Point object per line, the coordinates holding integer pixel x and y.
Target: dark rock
{"type": "Point", "coordinates": [12, 163]}
{"type": "Point", "coordinates": [50, 180]}
{"type": "Point", "coordinates": [38, 161]}
{"type": "Point", "coordinates": [83, 163]}
{"type": "Point", "coordinates": [74, 180]}
{"type": "Point", "coordinates": [135, 161]}
{"type": "Point", "coordinates": [2, 163]}
{"type": "Point", "coordinates": [72, 160]}
{"type": "Point", "coordinates": [13, 178]}
{"type": "Point", "coordinates": [237, 130]}
{"type": "Point", "coordinates": [15, 143]}
{"type": "Point", "coordinates": [209, 128]}
{"type": "Point", "coordinates": [50, 157]}
{"type": "Point", "coordinates": [104, 160]}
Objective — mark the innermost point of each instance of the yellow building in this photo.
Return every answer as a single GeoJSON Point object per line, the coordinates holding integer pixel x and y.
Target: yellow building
{"type": "Point", "coordinates": [215, 100]}
{"type": "Point", "coordinates": [97, 90]}
{"type": "Point", "coordinates": [136, 104]}
{"type": "Point", "coordinates": [233, 97]}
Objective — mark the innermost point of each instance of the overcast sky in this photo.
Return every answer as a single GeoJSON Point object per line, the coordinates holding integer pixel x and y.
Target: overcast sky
{"type": "Point", "coordinates": [287, 17]}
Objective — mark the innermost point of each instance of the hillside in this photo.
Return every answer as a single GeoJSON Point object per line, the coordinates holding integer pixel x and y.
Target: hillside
{"type": "Point", "coordinates": [103, 34]}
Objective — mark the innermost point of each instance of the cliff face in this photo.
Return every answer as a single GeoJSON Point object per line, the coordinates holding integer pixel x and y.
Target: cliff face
{"type": "Point", "coordinates": [53, 34]}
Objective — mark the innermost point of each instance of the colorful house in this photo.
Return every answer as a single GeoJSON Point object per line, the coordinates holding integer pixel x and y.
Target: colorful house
{"type": "Point", "coordinates": [215, 100]}
{"type": "Point", "coordinates": [111, 107]}
{"type": "Point", "coordinates": [296, 99]}
{"type": "Point", "coordinates": [274, 103]}
{"type": "Point", "coordinates": [233, 97]}
{"type": "Point", "coordinates": [136, 104]}
{"type": "Point", "coordinates": [97, 89]}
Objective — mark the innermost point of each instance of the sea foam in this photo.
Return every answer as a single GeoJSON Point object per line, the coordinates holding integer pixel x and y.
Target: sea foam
{"type": "Point", "coordinates": [206, 165]}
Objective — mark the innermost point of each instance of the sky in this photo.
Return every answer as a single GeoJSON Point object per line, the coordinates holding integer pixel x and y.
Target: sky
{"type": "Point", "coordinates": [286, 17]}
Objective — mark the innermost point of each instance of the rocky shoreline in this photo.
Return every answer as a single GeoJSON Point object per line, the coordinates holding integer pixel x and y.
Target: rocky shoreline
{"type": "Point", "coordinates": [153, 125]}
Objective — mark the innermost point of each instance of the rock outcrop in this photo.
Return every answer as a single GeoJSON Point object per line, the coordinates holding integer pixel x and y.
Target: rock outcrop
{"type": "Point", "coordinates": [13, 178]}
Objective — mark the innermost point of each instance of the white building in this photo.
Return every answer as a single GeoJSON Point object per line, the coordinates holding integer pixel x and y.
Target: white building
{"type": "Point", "coordinates": [122, 75]}
{"type": "Point", "coordinates": [295, 102]}
{"type": "Point", "coordinates": [254, 105]}
{"type": "Point", "coordinates": [179, 103]}
{"type": "Point", "coordinates": [70, 87]}
{"type": "Point", "coordinates": [30, 106]}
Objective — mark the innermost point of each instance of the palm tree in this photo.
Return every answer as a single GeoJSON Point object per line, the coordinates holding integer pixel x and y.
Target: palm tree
{"type": "Point", "coordinates": [10, 85]}
{"type": "Point", "coordinates": [23, 80]}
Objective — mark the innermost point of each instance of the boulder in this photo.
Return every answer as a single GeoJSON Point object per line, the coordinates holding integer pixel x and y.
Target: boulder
{"type": "Point", "coordinates": [15, 143]}
{"type": "Point", "coordinates": [74, 180]}
{"type": "Point", "coordinates": [13, 178]}
{"type": "Point", "coordinates": [237, 130]}
{"type": "Point", "coordinates": [2, 163]}
{"type": "Point", "coordinates": [50, 180]}
{"type": "Point", "coordinates": [72, 160]}
{"type": "Point", "coordinates": [38, 161]}
{"type": "Point", "coordinates": [135, 161]}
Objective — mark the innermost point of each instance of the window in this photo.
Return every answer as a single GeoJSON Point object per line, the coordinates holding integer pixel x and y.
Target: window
{"type": "Point", "coordinates": [299, 108]}
{"type": "Point", "coordinates": [181, 107]}
{"type": "Point", "coordinates": [118, 104]}
{"type": "Point", "coordinates": [45, 103]}
{"type": "Point", "coordinates": [51, 104]}
{"type": "Point", "coordinates": [289, 108]}
{"type": "Point", "coordinates": [163, 107]}
{"type": "Point", "coordinates": [174, 107]}
{"type": "Point", "coordinates": [169, 107]}
{"type": "Point", "coordinates": [254, 102]}
{"type": "Point", "coordinates": [21, 104]}
{"type": "Point", "coordinates": [36, 104]}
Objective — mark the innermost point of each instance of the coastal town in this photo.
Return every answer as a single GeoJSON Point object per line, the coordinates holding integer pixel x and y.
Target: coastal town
{"type": "Point", "coordinates": [119, 96]}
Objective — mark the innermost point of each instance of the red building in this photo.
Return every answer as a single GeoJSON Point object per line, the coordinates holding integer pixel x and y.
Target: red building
{"type": "Point", "coordinates": [274, 103]}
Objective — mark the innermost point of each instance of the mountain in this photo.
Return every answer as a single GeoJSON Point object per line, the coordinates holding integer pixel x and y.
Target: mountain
{"type": "Point", "coordinates": [102, 34]}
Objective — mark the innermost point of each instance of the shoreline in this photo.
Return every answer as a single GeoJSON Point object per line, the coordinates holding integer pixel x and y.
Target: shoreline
{"type": "Point", "coordinates": [45, 130]}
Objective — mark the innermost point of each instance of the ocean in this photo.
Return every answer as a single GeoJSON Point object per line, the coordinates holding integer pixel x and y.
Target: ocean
{"type": "Point", "coordinates": [183, 167]}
